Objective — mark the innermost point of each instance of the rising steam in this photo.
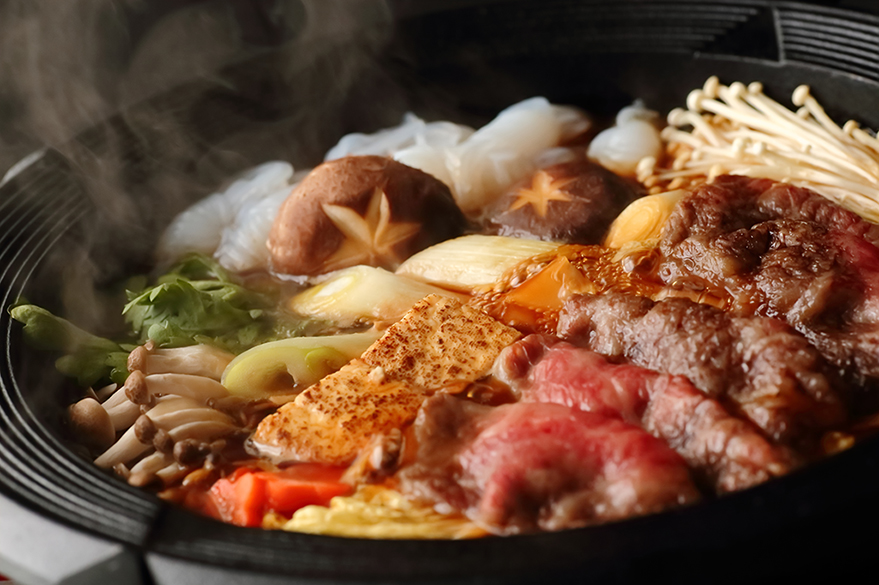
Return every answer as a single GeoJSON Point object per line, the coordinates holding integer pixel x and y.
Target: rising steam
{"type": "Point", "coordinates": [199, 91]}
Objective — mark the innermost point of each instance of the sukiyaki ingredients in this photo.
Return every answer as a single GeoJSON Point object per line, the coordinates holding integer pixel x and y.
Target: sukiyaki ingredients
{"type": "Point", "coordinates": [122, 411]}
{"type": "Point", "coordinates": [331, 421]}
{"type": "Point", "coordinates": [198, 302]}
{"type": "Point", "coordinates": [157, 465]}
{"type": "Point", "coordinates": [170, 419]}
{"type": "Point", "coordinates": [285, 367]}
{"type": "Point", "coordinates": [437, 343]}
{"type": "Point", "coordinates": [785, 252]}
{"type": "Point", "coordinates": [91, 424]}
{"type": "Point", "coordinates": [380, 458]}
{"type": "Point", "coordinates": [246, 496]}
{"type": "Point", "coordinates": [532, 466]}
{"type": "Point", "coordinates": [360, 210]}
{"type": "Point", "coordinates": [726, 453]}
{"type": "Point", "coordinates": [634, 138]}
{"type": "Point", "coordinates": [572, 202]}
{"type": "Point", "coordinates": [770, 372]}
{"type": "Point", "coordinates": [739, 130]}
{"type": "Point", "coordinates": [468, 262]}
{"type": "Point", "coordinates": [231, 225]}
{"type": "Point", "coordinates": [377, 512]}
{"type": "Point", "coordinates": [361, 294]}
{"type": "Point", "coordinates": [198, 360]}
{"type": "Point", "coordinates": [640, 224]}
{"type": "Point", "coordinates": [694, 342]}
{"type": "Point", "coordinates": [88, 358]}
{"type": "Point", "coordinates": [143, 389]}
{"type": "Point", "coordinates": [440, 342]}
{"type": "Point", "coordinates": [413, 132]}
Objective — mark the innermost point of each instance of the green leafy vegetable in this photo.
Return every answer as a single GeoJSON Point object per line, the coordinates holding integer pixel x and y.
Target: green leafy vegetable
{"type": "Point", "coordinates": [197, 302]}
{"type": "Point", "coordinates": [88, 358]}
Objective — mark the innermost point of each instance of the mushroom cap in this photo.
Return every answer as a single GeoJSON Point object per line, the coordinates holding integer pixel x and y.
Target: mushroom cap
{"type": "Point", "coordinates": [91, 424]}
{"type": "Point", "coordinates": [572, 202]}
{"type": "Point", "coordinates": [304, 237]}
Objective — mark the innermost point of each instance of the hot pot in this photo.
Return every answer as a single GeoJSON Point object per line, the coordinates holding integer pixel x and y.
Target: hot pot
{"type": "Point", "coordinates": [82, 216]}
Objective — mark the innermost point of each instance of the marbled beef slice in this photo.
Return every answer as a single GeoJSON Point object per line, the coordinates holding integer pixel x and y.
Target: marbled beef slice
{"type": "Point", "coordinates": [530, 466]}
{"type": "Point", "coordinates": [725, 452]}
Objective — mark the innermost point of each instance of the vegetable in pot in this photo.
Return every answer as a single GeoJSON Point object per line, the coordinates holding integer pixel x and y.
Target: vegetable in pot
{"type": "Point", "coordinates": [88, 358]}
{"type": "Point", "coordinates": [643, 219]}
{"type": "Point", "coordinates": [245, 497]}
{"type": "Point", "coordinates": [287, 366]}
{"type": "Point", "coordinates": [468, 262]}
{"type": "Point", "coordinates": [362, 294]}
{"type": "Point", "coordinates": [198, 302]}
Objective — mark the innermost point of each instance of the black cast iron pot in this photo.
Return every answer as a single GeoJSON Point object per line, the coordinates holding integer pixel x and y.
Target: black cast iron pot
{"type": "Point", "coordinates": [84, 216]}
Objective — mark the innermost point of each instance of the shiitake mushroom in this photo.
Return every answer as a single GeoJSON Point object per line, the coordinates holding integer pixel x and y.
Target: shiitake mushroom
{"type": "Point", "coordinates": [571, 202]}
{"type": "Point", "coordinates": [361, 210]}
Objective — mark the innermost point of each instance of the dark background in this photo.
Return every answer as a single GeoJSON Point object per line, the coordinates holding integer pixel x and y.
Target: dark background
{"type": "Point", "coordinates": [66, 65]}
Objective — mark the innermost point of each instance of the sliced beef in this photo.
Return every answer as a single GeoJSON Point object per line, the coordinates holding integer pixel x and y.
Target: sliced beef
{"type": "Point", "coordinates": [532, 466]}
{"type": "Point", "coordinates": [782, 251]}
{"type": "Point", "coordinates": [732, 202]}
{"type": "Point", "coordinates": [760, 365]}
{"type": "Point", "coordinates": [783, 200]}
{"type": "Point", "coordinates": [726, 452]}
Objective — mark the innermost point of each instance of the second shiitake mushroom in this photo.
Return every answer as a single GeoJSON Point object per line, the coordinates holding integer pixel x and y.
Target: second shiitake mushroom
{"type": "Point", "coordinates": [572, 202]}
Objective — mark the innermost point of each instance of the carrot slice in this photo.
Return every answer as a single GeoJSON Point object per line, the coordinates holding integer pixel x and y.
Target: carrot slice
{"type": "Point", "coordinates": [244, 497]}
{"type": "Point", "coordinates": [240, 500]}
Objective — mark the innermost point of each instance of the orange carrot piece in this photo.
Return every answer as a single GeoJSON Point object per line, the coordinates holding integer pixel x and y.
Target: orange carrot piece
{"type": "Point", "coordinates": [244, 497]}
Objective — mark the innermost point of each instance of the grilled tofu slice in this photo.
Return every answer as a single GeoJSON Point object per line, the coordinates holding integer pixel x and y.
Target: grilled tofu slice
{"type": "Point", "coordinates": [332, 420]}
{"type": "Point", "coordinates": [440, 341]}
{"type": "Point", "coordinates": [437, 342]}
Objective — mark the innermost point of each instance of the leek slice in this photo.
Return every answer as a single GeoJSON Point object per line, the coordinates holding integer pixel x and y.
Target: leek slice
{"type": "Point", "coordinates": [285, 367]}
{"type": "Point", "coordinates": [468, 262]}
{"type": "Point", "coordinates": [362, 294]}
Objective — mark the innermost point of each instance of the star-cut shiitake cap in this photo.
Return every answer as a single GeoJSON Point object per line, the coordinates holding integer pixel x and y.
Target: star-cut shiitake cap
{"type": "Point", "coordinates": [571, 202]}
{"type": "Point", "coordinates": [357, 210]}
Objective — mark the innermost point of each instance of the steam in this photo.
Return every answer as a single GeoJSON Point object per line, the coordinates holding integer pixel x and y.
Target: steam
{"type": "Point", "coordinates": [66, 66]}
{"type": "Point", "coordinates": [186, 120]}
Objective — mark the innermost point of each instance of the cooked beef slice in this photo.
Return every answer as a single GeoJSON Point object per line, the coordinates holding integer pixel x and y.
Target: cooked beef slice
{"type": "Point", "coordinates": [782, 251]}
{"type": "Point", "coordinates": [732, 202]}
{"type": "Point", "coordinates": [762, 367]}
{"type": "Point", "coordinates": [533, 466]}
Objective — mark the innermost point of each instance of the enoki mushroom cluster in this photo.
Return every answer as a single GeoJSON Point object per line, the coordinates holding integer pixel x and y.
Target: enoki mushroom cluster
{"type": "Point", "coordinates": [739, 130]}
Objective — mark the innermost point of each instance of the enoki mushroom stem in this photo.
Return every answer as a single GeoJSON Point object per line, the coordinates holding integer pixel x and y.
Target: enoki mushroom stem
{"type": "Point", "coordinates": [739, 130]}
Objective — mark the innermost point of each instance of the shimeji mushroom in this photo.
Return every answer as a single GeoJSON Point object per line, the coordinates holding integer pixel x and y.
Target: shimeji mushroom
{"type": "Point", "coordinates": [172, 419]}
{"type": "Point", "coordinates": [197, 360]}
{"type": "Point", "coordinates": [141, 389]}
{"type": "Point", "coordinates": [156, 466]}
{"type": "Point", "coordinates": [92, 424]}
{"type": "Point", "coordinates": [168, 412]}
{"type": "Point", "coordinates": [737, 129]}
